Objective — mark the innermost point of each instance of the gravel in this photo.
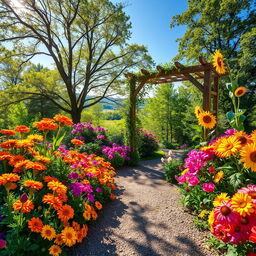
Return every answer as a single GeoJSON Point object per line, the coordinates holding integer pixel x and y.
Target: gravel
{"type": "Point", "coordinates": [146, 219]}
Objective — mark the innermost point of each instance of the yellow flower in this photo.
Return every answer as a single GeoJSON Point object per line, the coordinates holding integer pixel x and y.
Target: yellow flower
{"type": "Point", "coordinates": [218, 200]}
{"type": "Point", "coordinates": [211, 220]}
{"type": "Point", "coordinates": [227, 146]}
{"type": "Point", "coordinates": [243, 204]}
{"type": "Point", "coordinates": [48, 232]}
{"type": "Point", "coordinates": [198, 111]}
{"type": "Point", "coordinates": [218, 62]}
{"type": "Point", "coordinates": [185, 171]}
{"type": "Point", "coordinates": [248, 156]}
{"type": "Point", "coordinates": [202, 213]}
{"type": "Point", "coordinates": [55, 250]}
{"type": "Point", "coordinates": [207, 120]}
{"type": "Point", "coordinates": [240, 91]}
{"type": "Point", "coordinates": [69, 236]}
{"type": "Point", "coordinates": [219, 175]}
{"type": "Point", "coordinates": [253, 134]}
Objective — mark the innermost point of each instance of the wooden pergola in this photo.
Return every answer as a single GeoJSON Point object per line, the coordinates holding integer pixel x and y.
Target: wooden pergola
{"type": "Point", "coordinates": [178, 73]}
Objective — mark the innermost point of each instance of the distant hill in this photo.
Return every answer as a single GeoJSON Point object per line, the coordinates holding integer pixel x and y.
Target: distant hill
{"type": "Point", "coordinates": [110, 104]}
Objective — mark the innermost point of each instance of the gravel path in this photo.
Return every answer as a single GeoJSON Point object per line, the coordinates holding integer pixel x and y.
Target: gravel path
{"type": "Point", "coordinates": [146, 219]}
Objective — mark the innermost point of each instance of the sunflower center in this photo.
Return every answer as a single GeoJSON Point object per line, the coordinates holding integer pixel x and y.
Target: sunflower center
{"type": "Point", "coordinates": [242, 139]}
{"type": "Point", "coordinates": [207, 119]}
{"type": "Point", "coordinates": [239, 92]}
{"type": "Point", "coordinates": [252, 194]}
{"type": "Point", "coordinates": [69, 236]}
{"type": "Point", "coordinates": [229, 146]}
{"type": "Point", "coordinates": [253, 156]}
{"type": "Point", "coordinates": [225, 210]}
{"type": "Point", "coordinates": [219, 61]}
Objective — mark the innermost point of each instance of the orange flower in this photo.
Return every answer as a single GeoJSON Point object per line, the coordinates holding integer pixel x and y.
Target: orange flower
{"type": "Point", "coordinates": [88, 207]}
{"type": "Point", "coordinates": [69, 236]}
{"type": "Point", "coordinates": [94, 215]}
{"type": "Point", "coordinates": [76, 225]}
{"type": "Point", "coordinates": [63, 120]}
{"type": "Point", "coordinates": [65, 213]}
{"type": "Point", "coordinates": [24, 143]}
{"type": "Point", "coordinates": [35, 225]}
{"type": "Point", "coordinates": [57, 187]}
{"type": "Point", "coordinates": [9, 144]}
{"type": "Point", "coordinates": [87, 215]}
{"type": "Point", "coordinates": [5, 156]}
{"type": "Point", "coordinates": [240, 91]}
{"type": "Point", "coordinates": [22, 129]}
{"type": "Point", "coordinates": [48, 232]}
{"type": "Point", "coordinates": [35, 137]}
{"type": "Point", "coordinates": [77, 142]}
{"type": "Point", "coordinates": [55, 250]}
{"type": "Point", "coordinates": [46, 124]}
{"type": "Point", "coordinates": [8, 177]}
{"type": "Point", "coordinates": [63, 197]}
{"type": "Point", "coordinates": [43, 159]}
{"type": "Point", "coordinates": [50, 178]}
{"type": "Point", "coordinates": [15, 159]}
{"type": "Point", "coordinates": [35, 166]}
{"type": "Point", "coordinates": [112, 196]}
{"type": "Point", "coordinates": [8, 132]}
{"type": "Point", "coordinates": [58, 240]}
{"type": "Point", "coordinates": [11, 186]}
{"type": "Point", "coordinates": [21, 166]}
{"type": "Point", "coordinates": [28, 206]}
{"type": "Point", "coordinates": [98, 205]}
{"type": "Point", "coordinates": [52, 200]}
{"type": "Point", "coordinates": [33, 184]}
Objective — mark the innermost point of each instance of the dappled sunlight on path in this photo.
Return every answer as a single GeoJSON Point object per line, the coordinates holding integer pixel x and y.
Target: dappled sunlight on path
{"type": "Point", "coordinates": [146, 219]}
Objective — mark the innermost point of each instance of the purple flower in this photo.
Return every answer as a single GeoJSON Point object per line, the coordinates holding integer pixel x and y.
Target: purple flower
{"type": "Point", "coordinates": [90, 197]}
{"type": "Point", "coordinates": [73, 175]}
{"type": "Point", "coordinates": [100, 137]}
{"type": "Point", "coordinates": [230, 131]}
{"type": "Point", "coordinates": [98, 189]}
{"type": "Point", "coordinates": [77, 188]}
{"type": "Point", "coordinates": [94, 162]}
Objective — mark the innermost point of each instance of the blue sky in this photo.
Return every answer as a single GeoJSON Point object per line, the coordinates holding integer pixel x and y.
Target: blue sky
{"type": "Point", "coordinates": [150, 27]}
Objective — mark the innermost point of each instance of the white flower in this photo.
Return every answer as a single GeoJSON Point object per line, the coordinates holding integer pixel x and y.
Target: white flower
{"type": "Point", "coordinates": [162, 160]}
{"type": "Point", "coordinates": [170, 153]}
{"type": "Point", "coordinates": [169, 159]}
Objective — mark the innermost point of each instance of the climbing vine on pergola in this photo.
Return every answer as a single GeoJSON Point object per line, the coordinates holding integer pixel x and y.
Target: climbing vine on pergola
{"type": "Point", "coordinates": [178, 73]}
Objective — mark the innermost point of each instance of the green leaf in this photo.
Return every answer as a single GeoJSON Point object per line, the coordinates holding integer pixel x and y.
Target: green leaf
{"type": "Point", "coordinates": [230, 115]}
{"type": "Point", "coordinates": [242, 118]}
{"type": "Point", "coordinates": [236, 180]}
{"type": "Point", "coordinates": [229, 86]}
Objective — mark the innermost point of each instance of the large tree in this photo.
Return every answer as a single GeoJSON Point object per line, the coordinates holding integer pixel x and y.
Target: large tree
{"type": "Point", "coordinates": [87, 41]}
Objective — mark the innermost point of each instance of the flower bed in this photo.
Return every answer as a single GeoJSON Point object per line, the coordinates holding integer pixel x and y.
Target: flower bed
{"type": "Point", "coordinates": [48, 193]}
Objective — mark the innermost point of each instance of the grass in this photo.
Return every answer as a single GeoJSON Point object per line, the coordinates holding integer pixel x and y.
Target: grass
{"type": "Point", "coordinates": [115, 127]}
{"type": "Point", "coordinates": [156, 155]}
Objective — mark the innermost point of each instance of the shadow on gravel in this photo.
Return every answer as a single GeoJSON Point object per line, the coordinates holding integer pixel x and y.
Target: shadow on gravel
{"type": "Point", "coordinates": [183, 245]}
{"type": "Point", "coordinates": [97, 241]}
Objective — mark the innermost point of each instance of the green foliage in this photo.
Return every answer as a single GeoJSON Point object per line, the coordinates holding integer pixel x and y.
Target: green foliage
{"type": "Point", "coordinates": [117, 161]}
{"type": "Point", "coordinates": [171, 169]}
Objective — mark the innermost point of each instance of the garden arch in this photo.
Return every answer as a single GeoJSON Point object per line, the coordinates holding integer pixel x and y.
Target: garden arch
{"type": "Point", "coordinates": [204, 71]}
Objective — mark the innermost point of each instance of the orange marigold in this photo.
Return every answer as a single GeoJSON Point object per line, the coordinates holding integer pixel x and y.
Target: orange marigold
{"type": "Point", "coordinates": [50, 178]}
{"type": "Point", "coordinates": [87, 215]}
{"type": "Point", "coordinates": [58, 240]}
{"type": "Point", "coordinates": [22, 129]}
{"type": "Point", "coordinates": [77, 142]}
{"type": "Point", "coordinates": [88, 207]}
{"type": "Point", "coordinates": [65, 213]}
{"type": "Point", "coordinates": [52, 200]}
{"type": "Point", "coordinates": [35, 166]}
{"type": "Point", "coordinates": [55, 250]}
{"type": "Point", "coordinates": [9, 144]}
{"type": "Point", "coordinates": [98, 205]}
{"type": "Point", "coordinates": [33, 184]}
{"type": "Point", "coordinates": [48, 232]}
{"type": "Point", "coordinates": [28, 206]}
{"type": "Point", "coordinates": [69, 236]}
{"type": "Point", "coordinates": [63, 197]}
{"type": "Point", "coordinates": [76, 226]}
{"type": "Point", "coordinates": [5, 155]}
{"type": "Point", "coordinates": [8, 177]}
{"type": "Point", "coordinates": [63, 119]}
{"type": "Point", "coordinates": [57, 187]}
{"type": "Point", "coordinates": [8, 132]}
{"type": "Point", "coordinates": [46, 124]}
{"type": "Point", "coordinates": [43, 159]}
{"type": "Point", "coordinates": [35, 225]}
{"type": "Point", "coordinates": [15, 159]}
{"type": "Point", "coordinates": [94, 215]}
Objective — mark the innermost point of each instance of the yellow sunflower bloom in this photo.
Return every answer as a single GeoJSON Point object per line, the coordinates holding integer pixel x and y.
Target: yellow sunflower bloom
{"type": "Point", "coordinates": [227, 146]}
{"type": "Point", "coordinates": [207, 120]}
{"type": "Point", "coordinates": [243, 138]}
{"type": "Point", "coordinates": [243, 204]}
{"type": "Point", "coordinates": [253, 134]}
{"type": "Point", "coordinates": [218, 200]}
{"type": "Point", "coordinates": [240, 91]}
{"type": "Point", "coordinates": [248, 156]}
{"type": "Point", "coordinates": [218, 62]}
{"type": "Point", "coordinates": [198, 111]}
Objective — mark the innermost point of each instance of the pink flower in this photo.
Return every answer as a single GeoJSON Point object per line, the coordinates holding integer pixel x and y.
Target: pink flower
{"type": "Point", "coordinates": [2, 243]}
{"type": "Point", "coordinates": [208, 187]}
{"type": "Point", "coordinates": [225, 214]}
{"type": "Point", "coordinates": [181, 179]}
{"type": "Point", "coordinates": [211, 169]}
{"type": "Point", "coordinates": [193, 181]}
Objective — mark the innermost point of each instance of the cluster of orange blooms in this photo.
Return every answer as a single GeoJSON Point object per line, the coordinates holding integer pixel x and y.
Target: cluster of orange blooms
{"type": "Point", "coordinates": [48, 202]}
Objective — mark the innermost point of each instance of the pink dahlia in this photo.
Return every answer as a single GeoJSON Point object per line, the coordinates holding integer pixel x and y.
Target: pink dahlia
{"type": "Point", "coordinates": [208, 187]}
{"type": "Point", "coordinates": [193, 181]}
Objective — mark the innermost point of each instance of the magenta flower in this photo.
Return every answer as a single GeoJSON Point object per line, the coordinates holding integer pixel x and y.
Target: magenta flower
{"type": "Point", "coordinates": [208, 187]}
{"type": "Point", "coordinates": [2, 243]}
{"type": "Point", "coordinates": [193, 181]}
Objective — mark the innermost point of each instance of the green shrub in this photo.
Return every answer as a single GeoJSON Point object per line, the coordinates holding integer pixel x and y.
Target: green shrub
{"type": "Point", "coordinates": [171, 169]}
{"type": "Point", "coordinates": [117, 161]}
{"type": "Point", "coordinates": [169, 145]}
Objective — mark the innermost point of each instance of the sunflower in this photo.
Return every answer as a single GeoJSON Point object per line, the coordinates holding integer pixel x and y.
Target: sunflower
{"type": "Point", "coordinates": [218, 62]}
{"type": "Point", "coordinates": [55, 250]}
{"type": "Point", "coordinates": [218, 176]}
{"type": "Point", "coordinates": [240, 91]}
{"type": "Point", "coordinates": [248, 156]}
{"type": "Point", "coordinates": [243, 138]}
{"type": "Point", "coordinates": [48, 232]}
{"type": "Point", "coordinates": [198, 111]}
{"type": "Point", "coordinates": [35, 225]}
{"type": "Point", "coordinates": [207, 120]}
{"type": "Point", "coordinates": [243, 204]}
{"type": "Point", "coordinates": [65, 213]}
{"type": "Point", "coordinates": [227, 146]}
{"type": "Point", "coordinates": [69, 236]}
{"type": "Point", "coordinates": [253, 135]}
{"type": "Point", "coordinates": [220, 198]}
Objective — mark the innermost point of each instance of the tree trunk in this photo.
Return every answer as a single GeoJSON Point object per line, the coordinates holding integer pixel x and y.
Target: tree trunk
{"type": "Point", "coordinates": [76, 116]}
